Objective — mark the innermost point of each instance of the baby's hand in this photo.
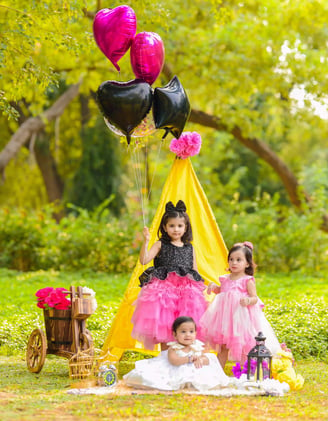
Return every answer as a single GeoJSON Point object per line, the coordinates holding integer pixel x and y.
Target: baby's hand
{"type": "Point", "coordinates": [198, 362]}
{"type": "Point", "coordinates": [146, 233]}
{"type": "Point", "coordinates": [212, 287]}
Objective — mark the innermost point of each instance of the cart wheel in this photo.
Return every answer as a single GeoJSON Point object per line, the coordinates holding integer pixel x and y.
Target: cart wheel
{"type": "Point", "coordinates": [36, 351]}
{"type": "Point", "coordinates": [86, 341]}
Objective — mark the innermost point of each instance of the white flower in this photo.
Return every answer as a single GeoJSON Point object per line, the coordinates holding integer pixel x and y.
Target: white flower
{"type": "Point", "coordinates": [86, 290]}
{"type": "Point", "coordinates": [91, 293]}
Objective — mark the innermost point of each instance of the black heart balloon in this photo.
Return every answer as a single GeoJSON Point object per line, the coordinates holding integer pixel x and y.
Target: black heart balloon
{"type": "Point", "coordinates": [171, 108]}
{"type": "Point", "coordinates": [125, 104]}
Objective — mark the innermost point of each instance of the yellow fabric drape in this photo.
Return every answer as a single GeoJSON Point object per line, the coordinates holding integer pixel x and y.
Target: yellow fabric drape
{"type": "Point", "coordinates": [210, 249]}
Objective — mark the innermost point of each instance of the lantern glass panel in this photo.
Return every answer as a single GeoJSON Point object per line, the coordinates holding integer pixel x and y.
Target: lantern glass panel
{"type": "Point", "coordinates": [259, 360]}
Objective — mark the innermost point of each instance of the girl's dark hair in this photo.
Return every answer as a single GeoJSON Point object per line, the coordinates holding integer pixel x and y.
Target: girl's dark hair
{"type": "Point", "coordinates": [178, 211]}
{"type": "Point", "coordinates": [248, 253]}
{"type": "Point", "coordinates": [182, 319]}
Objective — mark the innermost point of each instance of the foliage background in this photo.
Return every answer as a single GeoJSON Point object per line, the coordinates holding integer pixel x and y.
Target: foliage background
{"type": "Point", "coordinates": [32, 240]}
{"type": "Point", "coordinates": [254, 69]}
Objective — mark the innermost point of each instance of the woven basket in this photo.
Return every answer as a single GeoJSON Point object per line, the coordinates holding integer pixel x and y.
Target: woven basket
{"type": "Point", "coordinates": [81, 365]}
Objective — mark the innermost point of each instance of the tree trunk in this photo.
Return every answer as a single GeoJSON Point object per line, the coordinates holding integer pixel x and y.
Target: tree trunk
{"type": "Point", "coordinates": [52, 180]}
{"type": "Point", "coordinates": [33, 125]}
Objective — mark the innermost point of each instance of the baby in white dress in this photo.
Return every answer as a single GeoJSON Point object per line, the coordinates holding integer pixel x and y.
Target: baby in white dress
{"type": "Point", "coordinates": [184, 364]}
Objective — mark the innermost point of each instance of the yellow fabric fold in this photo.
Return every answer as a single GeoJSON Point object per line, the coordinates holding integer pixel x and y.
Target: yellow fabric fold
{"type": "Point", "coordinates": [211, 252]}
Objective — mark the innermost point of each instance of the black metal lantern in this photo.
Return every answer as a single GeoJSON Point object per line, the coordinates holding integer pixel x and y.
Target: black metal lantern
{"type": "Point", "coordinates": [259, 359]}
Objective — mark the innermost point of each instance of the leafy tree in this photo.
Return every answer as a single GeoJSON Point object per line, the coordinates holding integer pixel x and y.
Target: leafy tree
{"type": "Point", "coordinates": [240, 63]}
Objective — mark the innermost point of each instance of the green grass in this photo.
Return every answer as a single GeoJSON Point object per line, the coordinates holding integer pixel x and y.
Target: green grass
{"type": "Point", "coordinates": [293, 286]}
{"type": "Point", "coordinates": [27, 396]}
{"type": "Point", "coordinates": [20, 287]}
{"type": "Point", "coordinates": [296, 307]}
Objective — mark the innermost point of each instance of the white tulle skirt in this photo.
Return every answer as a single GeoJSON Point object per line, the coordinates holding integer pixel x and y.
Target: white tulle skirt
{"type": "Point", "coordinates": [271, 341]}
{"type": "Point", "coordinates": [158, 373]}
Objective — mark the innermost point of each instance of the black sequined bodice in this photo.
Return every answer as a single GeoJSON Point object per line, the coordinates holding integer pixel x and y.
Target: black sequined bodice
{"type": "Point", "coordinates": [171, 258]}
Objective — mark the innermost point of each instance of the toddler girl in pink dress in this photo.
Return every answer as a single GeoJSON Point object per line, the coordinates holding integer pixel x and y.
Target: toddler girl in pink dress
{"type": "Point", "coordinates": [235, 316]}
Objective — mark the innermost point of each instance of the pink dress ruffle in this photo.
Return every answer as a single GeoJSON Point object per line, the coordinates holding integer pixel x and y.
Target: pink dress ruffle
{"type": "Point", "coordinates": [227, 322]}
{"type": "Point", "coordinates": [160, 302]}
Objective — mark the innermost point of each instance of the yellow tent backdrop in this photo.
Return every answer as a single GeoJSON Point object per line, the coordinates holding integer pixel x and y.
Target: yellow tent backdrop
{"type": "Point", "coordinates": [211, 253]}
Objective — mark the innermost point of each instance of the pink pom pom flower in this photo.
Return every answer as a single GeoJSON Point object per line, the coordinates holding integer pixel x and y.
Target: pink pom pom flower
{"type": "Point", "coordinates": [188, 144]}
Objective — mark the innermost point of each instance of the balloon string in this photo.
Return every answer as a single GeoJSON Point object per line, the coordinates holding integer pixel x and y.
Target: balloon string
{"type": "Point", "coordinates": [140, 184]}
{"type": "Point", "coordinates": [137, 175]}
{"type": "Point", "coordinates": [141, 181]}
{"type": "Point", "coordinates": [155, 169]}
{"type": "Point", "coordinates": [142, 187]}
{"type": "Point", "coordinates": [145, 175]}
{"type": "Point", "coordinates": [134, 166]}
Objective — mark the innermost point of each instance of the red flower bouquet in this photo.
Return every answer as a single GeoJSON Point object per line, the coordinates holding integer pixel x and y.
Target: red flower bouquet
{"type": "Point", "coordinates": [53, 298]}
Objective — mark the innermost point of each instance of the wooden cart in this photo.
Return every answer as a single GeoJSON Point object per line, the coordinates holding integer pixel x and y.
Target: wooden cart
{"type": "Point", "coordinates": [66, 334]}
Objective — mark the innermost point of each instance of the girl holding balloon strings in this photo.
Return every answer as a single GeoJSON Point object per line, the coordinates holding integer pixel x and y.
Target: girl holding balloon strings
{"type": "Point", "coordinates": [172, 287]}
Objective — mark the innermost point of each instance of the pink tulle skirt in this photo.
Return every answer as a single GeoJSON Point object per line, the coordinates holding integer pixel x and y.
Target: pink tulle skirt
{"type": "Point", "coordinates": [160, 302]}
{"type": "Point", "coordinates": [228, 323]}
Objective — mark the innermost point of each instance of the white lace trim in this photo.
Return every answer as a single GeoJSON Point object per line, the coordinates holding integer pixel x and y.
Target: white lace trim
{"type": "Point", "coordinates": [196, 348]}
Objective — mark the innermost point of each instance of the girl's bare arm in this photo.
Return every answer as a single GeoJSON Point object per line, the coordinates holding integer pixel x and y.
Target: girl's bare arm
{"type": "Point", "coordinates": [252, 299]}
{"type": "Point", "coordinates": [146, 255]}
{"type": "Point", "coordinates": [194, 259]}
{"type": "Point", "coordinates": [212, 287]}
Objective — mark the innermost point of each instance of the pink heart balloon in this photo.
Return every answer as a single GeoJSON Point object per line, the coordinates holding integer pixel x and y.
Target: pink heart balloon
{"type": "Point", "coordinates": [147, 56]}
{"type": "Point", "coordinates": [114, 30]}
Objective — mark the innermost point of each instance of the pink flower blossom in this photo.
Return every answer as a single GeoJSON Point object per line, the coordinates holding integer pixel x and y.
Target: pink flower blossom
{"type": "Point", "coordinates": [53, 298]}
{"type": "Point", "coordinates": [44, 292]}
{"type": "Point", "coordinates": [63, 305]}
{"type": "Point", "coordinates": [41, 304]}
{"type": "Point", "coordinates": [188, 144]}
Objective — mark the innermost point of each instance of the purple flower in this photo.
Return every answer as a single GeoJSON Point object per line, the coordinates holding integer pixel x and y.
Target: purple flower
{"type": "Point", "coordinates": [236, 369]}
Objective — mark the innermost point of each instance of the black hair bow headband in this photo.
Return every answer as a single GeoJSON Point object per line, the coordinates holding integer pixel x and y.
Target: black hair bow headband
{"type": "Point", "coordinates": [180, 207]}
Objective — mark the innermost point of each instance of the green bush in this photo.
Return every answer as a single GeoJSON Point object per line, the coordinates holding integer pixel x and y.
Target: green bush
{"type": "Point", "coordinates": [83, 242]}
{"type": "Point", "coordinates": [284, 240]}
{"type": "Point", "coordinates": [21, 239]}
{"type": "Point", "coordinates": [16, 329]}
{"type": "Point", "coordinates": [95, 241]}
{"type": "Point", "coordinates": [302, 325]}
